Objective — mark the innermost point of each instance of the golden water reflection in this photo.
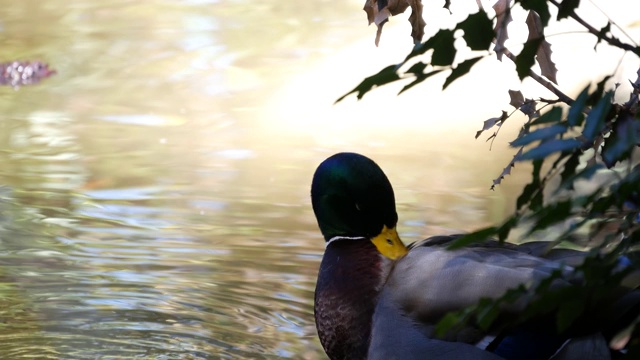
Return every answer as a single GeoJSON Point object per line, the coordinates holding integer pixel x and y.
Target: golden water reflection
{"type": "Point", "coordinates": [155, 192]}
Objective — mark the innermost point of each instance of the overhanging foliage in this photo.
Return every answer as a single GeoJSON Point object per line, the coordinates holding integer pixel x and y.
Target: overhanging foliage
{"type": "Point", "coordinates": [586, 136]}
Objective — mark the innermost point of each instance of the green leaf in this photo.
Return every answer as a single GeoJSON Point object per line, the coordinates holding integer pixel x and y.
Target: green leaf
{"type": "Point", "coordinates": [585, 174]}
{"type": "Point", "coordinates": [575, 116]}
{"type": "Point", "coordinates": [540, 134]}
{"type": "Point", "coordinates": [552, 214]}
{"type": "Point", "coordinates": [566, 8]}
{"type": "Point", "coordinates": [527, 193]}
{"type": "Point", "coordinates": [419, 78]}
{"type": "Point", "coordinates": [531, 189]}
{"type": "Point", "coordinates": [536, 201]}
{"type": "Point", "coordinates": [384, 76]}
{"type": "Point", "coordinates": [624, 193]}
{"type": "Point", "coordinates": [597, 94]}
{"type": "Point", "coordinates": [526, 58]}
{"type": "Point", "coordinates": [549, 147]}
{"type": "Point", "coordinates": [478, 31]}
{"type": "Point", "coordinates": [460, 70]}
{"type": "Point", "coordinates": [596, 117]}
{"type": "Point", "coordinates": [449, 322]}
{"type": "Point", "coordinates": [487, 314]}
{"type": "Point", "coordinates": [539, 6]}
{"type": "Point", "coordinates": [553, 115]}
{"type": "Point", "coordinates": [474, 237]}
{"type": "Point", "coordinates": [503, 231]}
{"type": "Point", "coordinates": [569, 169]}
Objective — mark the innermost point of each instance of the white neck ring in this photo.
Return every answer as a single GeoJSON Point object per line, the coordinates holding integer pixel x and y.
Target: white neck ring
{"type": "Point", "coordinates": [336, 238]}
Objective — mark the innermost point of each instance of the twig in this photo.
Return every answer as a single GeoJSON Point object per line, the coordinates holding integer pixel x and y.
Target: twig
{"type": "Point", "coordinates": [542, 81]}
{"type": "Point", "coordinates": [495, 134]}
{"type": "Point", "coordinates": [613, 22]}
{"type": "Point", "coordinates": [611, 40]}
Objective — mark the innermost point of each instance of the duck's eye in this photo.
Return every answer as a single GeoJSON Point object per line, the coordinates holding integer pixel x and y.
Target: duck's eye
{"type": "Point", "coordinates": [389, 241]}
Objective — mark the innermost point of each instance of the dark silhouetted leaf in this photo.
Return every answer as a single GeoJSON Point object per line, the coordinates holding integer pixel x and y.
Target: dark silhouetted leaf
{"type": "Point", "coordinates": [596, 117]}
{"type": "Point", "coordinates": [503, 18]}
{"type": "Point", "coordinates": [530, 190]}
{"type": "Point", "coordinates": [474, 237]}
{"type": "Point", "coordinates": [529, 108]}
{"type": "Point", "coordinates": [526, 58]}
{"type": "Point", "coordinates": [547, 66]}
{"type": "Point", "coordinates": [540, 134]}
{"type": "Point", "coordinates": [447, 4]}
{"type": "Point", "coordinates": [597, 94]}
{"type": "Point", "coordinates": [384, 76]}
{"type": "Point", "coordinates": [503, 231]}
{"type": "Point", "coordinates": [543, 54]}
{"type": "Point", "coordinates": [507, 170]}
{"type": "Point", "coordinates": [517, 99]}
{"type": "Point", "coordinates": [417, 21]}
{"type": "Point", "coordinates": [552, 214]}
{"type": "Point", "coordinates": [566, 8]}
{"type": "Point", "coordinates": [478, 31]}
{"type": "Point", "coordinates": [417, 68]}
{"type": "Point", "coordinates": [489, 123]}
{"type": "Point", "coordinates": [569, 169]}
{"type": "Point", "coordinates": [419, 78]}
{"type": "Point", "coordinates": [539, 6]}
{"type": "Point", "coordinates": [584, 174]}
{"type": "Point", "coordinates": [549, 147]}
{"type": "Point", "coordinates": [460, 70]}
{"type": "Point", "coordinates": [443, 50]}
{"type": "Point", "coordinates": [378, 12]}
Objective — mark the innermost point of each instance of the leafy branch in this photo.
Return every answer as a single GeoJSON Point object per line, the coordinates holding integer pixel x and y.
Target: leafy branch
{"type": "Point", "coordinates": [567, 9]}
{"type": "Point", "coordinates": [576, 143]}
{"type": "Point", "coordinates": [542, 81]}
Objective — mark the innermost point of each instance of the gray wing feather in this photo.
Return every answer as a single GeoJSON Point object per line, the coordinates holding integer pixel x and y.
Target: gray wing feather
{"type": "Point", "coordinates": [430, 281]}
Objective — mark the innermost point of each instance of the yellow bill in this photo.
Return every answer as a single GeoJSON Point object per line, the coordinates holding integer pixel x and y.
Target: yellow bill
{"type": "Point", "coordinates": [389, 244]}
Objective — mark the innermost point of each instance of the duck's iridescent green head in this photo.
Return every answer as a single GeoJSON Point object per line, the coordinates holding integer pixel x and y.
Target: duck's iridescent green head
{"type": "Point", "coordinates": [352, 197]}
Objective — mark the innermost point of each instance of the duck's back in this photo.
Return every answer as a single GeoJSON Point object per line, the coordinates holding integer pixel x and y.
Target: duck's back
{"type": "Point", "coordinates": [396, 336]}
{"type": "Point", "coordinates": [431, 281]}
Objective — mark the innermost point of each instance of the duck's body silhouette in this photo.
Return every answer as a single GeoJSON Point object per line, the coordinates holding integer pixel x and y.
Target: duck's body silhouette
{"type": "Point", "coordinates": [377, 299]}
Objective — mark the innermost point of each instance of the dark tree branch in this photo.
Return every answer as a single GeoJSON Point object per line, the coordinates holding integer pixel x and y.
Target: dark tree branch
{"type": "Point", "coordinates": [613, 41]}
{"type": "Point", "coordinates": [544, 82]}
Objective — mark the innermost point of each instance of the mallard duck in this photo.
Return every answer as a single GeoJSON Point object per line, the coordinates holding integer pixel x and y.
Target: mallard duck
{"type": "Point", "coordinates": [376, 298]}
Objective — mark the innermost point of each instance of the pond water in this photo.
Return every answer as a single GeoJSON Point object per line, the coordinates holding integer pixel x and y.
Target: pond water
{"type": "Point", "coordinates": [154, 194]}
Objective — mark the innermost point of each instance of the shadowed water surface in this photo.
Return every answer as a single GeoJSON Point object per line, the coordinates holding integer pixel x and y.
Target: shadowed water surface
{"type": "Point", "coordinates": [154, 198]}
